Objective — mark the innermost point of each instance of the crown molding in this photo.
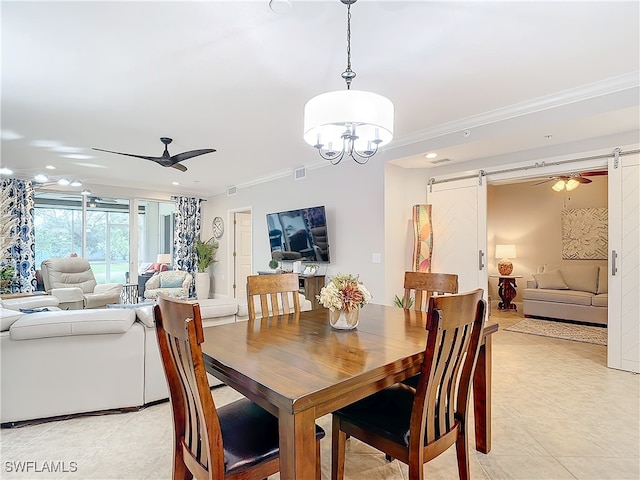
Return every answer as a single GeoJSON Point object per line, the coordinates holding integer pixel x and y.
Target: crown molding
{"type": "Point", "coordinates": [585, 92]}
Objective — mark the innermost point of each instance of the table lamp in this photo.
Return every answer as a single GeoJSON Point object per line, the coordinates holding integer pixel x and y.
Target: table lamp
{"type": "Point", "coordinates": [505, 267]}
{"type": "Point", "coordinates": [163, 259]}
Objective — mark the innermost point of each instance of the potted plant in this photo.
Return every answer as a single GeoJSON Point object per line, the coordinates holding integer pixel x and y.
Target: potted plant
{"type": "Point", "coordinates": [205, 257]}
{"type": "Point", "coordinates": [403, 302]}
{"type": "Point", "coordinates": [273, 264]}
{"type": "Point", "coordinates": [6, 278]}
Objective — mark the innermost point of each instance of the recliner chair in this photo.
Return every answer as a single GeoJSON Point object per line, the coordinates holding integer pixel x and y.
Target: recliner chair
{"type": "Point", "coordinates": [71, 280]}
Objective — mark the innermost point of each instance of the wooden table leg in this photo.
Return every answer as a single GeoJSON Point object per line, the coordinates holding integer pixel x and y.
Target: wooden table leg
{"type": "Point", "coordinates": [297, 445]}
{"type": "Point", "coordinates": [482, 397]}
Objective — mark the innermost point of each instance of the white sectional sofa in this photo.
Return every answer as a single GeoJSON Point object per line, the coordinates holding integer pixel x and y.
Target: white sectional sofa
{"type": "Point", "coordinates": [62, 362]}
{"type": "Point", "coordinates": [578, 293]}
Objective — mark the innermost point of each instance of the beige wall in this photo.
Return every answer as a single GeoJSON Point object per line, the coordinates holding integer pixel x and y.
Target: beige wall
{"type": "Point", "coordinates": [530, 217]}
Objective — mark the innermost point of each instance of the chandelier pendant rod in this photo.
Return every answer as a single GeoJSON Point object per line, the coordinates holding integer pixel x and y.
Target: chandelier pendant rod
{"type": "Point", "coordinates": [360, 121]}
{"type": "Point", "coordinates": [348, 74]}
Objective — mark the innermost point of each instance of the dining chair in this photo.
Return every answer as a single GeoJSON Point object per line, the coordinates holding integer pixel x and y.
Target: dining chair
{"type": "Point", "coordinates": [417, 425]}
{"type": "Point", "coordinates": [275, 294]}
{"type": "Point", "coordinates": [237, 441]}
{"type": "Point", "coordinates": [424, 284]}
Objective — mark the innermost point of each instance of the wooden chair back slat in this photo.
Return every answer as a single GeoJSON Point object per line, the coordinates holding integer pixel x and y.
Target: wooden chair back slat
{"type": "Point", "coordinates": [198, 439]}
{"type": "Point", "coordinates": [454, 326]}
{"type": "Point", "coordinates": [274, 293]}
{"type": "Point", "coordinates": [438, 413]}
{"type": "Point", "coordinates": [422, 285]}
{"type": "Point", "coordinates": [198, 444]}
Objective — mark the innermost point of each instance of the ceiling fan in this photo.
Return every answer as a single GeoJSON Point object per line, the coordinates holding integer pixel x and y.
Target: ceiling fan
{"type": "Point", "coordinates": [167, 160]}
{"type": "Point", "coordinates": [93, 201]}
{"type": "Point", "coordinates": [571, 181]}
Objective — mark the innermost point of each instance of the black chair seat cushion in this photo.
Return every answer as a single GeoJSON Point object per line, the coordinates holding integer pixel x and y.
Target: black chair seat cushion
{"type": "Point", "coordinates": [386, 413]}
{"type": "Point", "coordinates": [249, 435]}
{"type": "Point", "coordinates": [412, 381]}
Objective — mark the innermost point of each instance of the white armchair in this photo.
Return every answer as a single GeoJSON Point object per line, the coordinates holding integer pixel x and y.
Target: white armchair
{"type": "Point", "coordinates": [175, 283]}
{"type": "Point", "coordinates": [73, 283]}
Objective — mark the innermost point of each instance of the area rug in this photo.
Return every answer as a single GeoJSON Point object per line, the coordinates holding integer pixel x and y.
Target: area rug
{"type": "Point", "coordinates": [565, 331]}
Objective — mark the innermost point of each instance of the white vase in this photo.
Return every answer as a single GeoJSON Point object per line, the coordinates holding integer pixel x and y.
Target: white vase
{"type": "Point", "coordinates": [343, 320]}
{"type": "Point", "coordinates": [203, 282]}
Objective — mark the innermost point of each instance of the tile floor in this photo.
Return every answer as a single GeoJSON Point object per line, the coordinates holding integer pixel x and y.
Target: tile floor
{"type": "Point", "coordinates": [558, 413]}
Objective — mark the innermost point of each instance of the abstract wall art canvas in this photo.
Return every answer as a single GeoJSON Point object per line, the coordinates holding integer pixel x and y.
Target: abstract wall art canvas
{"type": "Point", "coordinates": [584, 234]}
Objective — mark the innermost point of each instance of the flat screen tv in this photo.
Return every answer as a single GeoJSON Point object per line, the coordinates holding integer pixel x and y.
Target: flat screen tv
{"type": "Point", "coordinates": [299, 235]}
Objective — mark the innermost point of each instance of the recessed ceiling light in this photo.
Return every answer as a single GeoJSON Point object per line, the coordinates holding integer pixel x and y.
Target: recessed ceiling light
{"type": "Point", "coordinates": [78, 156]}
{"type": "Point", "coordinates": [10, 135]}
{"type": "Point", "coordinates": [64, 182]}
{"type": "Point", "coordinates": [281, 7]}
{"type": "Point", "coordinates": [76, 183]}
{"type": "Point", "coordinates": [45, 143]}
{"type": "Point", "coordinates": [431, 155]}
{"type": "Point", "coordinates": [6, 171]}
{"type": "Point", "coordinates": [65, 149]}
{"type": "Point", "coordinates": [91, 165]}
{"type": "Point", "coordinates": [50, 167]}
{"type": "Point", "coordinates": [41, 178]}
{"type": "Point", "coordinates": [175, 183]}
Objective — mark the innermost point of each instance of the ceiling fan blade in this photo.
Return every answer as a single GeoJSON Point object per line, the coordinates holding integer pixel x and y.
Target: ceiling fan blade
{"type": "Point", "coordinates": [582, 179]}
{"type": "Point", "coordinates": [541, 182]}
{"type": "Point", "coordinates": [190, 154]}
{"type": "Point", "coordinates": [153, 159]}
{"type": "Point", "coordinates": [179, 166]}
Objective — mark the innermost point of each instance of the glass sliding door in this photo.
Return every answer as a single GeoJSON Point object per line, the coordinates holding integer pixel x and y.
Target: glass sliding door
{"type": "Point", "coordinates": [155, 231]}
{"type": "Point", "coordinates": [59, 229]}
{"type": "Point", "coordinates": [107, 238]}
{"type": "Point", "coordinates": [98, 229]}
{"type": "Point", "coordinates": [57, 226]}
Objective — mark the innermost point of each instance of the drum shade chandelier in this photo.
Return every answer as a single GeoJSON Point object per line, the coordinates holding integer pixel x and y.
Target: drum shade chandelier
{"type": "Point", "coordinates": [348, 122]}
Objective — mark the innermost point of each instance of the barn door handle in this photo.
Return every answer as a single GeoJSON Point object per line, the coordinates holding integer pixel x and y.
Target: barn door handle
{"type": "Point", "coordinates": [614, 268]}
{"type": "Point", "coordinates": [480, 257]}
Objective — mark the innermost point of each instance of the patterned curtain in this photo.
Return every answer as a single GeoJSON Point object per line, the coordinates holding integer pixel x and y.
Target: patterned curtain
{"type": "Point", "coordinates": [186, 232]}
{"type": "Point", "coordinates": [22, 251]}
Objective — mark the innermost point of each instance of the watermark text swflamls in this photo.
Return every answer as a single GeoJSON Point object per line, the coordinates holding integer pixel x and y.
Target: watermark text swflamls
{"type": "Point", "coordinates": [33, 466]}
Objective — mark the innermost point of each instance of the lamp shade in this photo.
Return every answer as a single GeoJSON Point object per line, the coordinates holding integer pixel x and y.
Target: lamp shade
{"type": "Point", "coordinates": [505, 251]}
{"type": "Point", "coordinates": [327, 116]}
{"type": "Point", "coordinates": [163, 258]}
{"type": "Point", "coordinates": [572, 184]}
{"type": "Point", "coordinates": [558, 186]}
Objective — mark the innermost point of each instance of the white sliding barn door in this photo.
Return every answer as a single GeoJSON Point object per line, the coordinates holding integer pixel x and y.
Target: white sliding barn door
{"type": "Point", "coordinates": [459, 218]}
{"type": "Point", "coordinates": [624, 263]}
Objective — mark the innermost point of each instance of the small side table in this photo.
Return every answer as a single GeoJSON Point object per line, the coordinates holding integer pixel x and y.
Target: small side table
{"type": "Point", "coordinates": [129, 293]}
{"type": "Point", "coordinates": [507, 291]}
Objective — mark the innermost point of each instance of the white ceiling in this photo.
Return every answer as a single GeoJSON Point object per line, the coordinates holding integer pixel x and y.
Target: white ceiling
{"type": "Point", "coordinates": [235, 76]}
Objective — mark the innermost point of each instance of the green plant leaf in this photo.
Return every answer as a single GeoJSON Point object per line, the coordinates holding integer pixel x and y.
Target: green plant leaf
{"type": "Point", "coordinates": [206, 253]}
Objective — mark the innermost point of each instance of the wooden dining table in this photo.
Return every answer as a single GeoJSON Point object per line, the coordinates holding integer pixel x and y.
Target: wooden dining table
{"type": "Point", "coordinates": [298, 368]}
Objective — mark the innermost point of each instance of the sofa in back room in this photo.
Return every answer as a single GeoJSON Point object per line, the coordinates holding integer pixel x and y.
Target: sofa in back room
{"type": "Point", "coordinates": [578, 293]}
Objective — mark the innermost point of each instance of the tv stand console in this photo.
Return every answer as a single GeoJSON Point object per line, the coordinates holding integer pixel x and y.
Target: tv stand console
{"type": "Point", "coordinates": [310, 286]}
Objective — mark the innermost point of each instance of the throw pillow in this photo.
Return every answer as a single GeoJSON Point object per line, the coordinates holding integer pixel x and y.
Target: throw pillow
{"type": "Point", "coordinates": [603, 280]}
{"type": "Point", "coordinates": [171, 280]}
{"type": "Point", "coordinates": [146, 316]}
{"type": "Point", "coordinates": [551, 280]}
{"type": "Point", "coordinates": [583, 278]}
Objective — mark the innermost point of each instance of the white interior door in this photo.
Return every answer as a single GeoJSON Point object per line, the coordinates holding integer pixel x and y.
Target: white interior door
{"type": "Point", "coordinates": [624, 263]}
{"type": "Point", "coordinates": [459, 217]}
{"type": "Point", "coordinates": [241, 253]}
